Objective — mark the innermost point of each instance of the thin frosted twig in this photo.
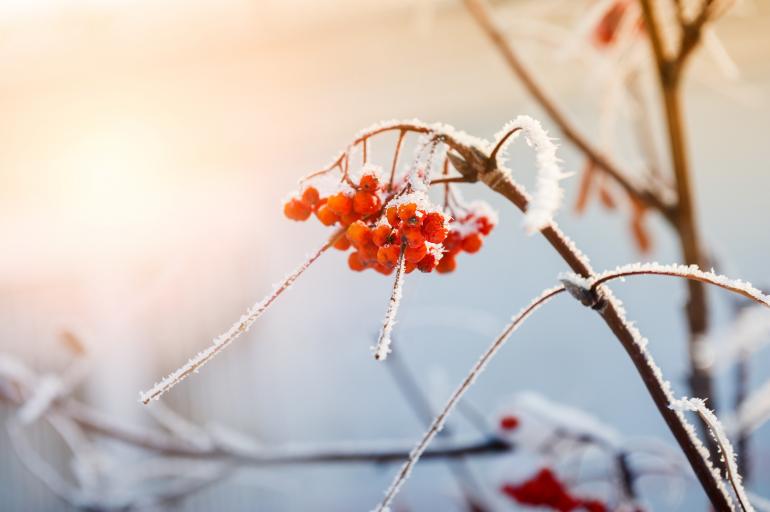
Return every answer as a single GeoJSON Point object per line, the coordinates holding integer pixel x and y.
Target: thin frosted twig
{"type": "Point", "coordinates": [548, 193]}
{"type": "Point", "coordinates": [477, 369]}
{"type": "Point", "coordinates": [382, 349]}
{"type": "Point", "coordinates": [691, 272]}
{"type": "Point", "coordinates": [241, 326]}
{"type": "Point", "coordinates": [728, 454]}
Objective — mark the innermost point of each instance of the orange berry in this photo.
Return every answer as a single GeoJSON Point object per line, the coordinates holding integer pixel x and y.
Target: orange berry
{"type": "Point", "coordinates": [415, 254]}
{"type": "Point", "coordinates": [368, 253]}
{"type": "Point", "coordinates": [453, 242]}
{"type": "Point", "coordinates": [472, 243]}
{"type": "Point", "coordinates": [410, 215]}
{"type": "Point", "coordinates": [296, 210]}
{"type": "Point", "coordinates": [359, 233]}
{"type": "Point", "coordinates": [340, 204]}
{"type": "Point", "coordinates": [366, 203]}
{"type": "Point", "coordinates": [409, 267]}
{"type": "Point", "coordinates": [310, 196]}
{"type": "Point", "coordinates": [446, 264]}
{"type": "Point", "coordinates": [427, 264]}
{"type": "Point", "coordinates": [355, 262]}
{"type": "Point", "coordinates": [342, 243]}
{"type": "Point", "coordinates": [388, 255]}
{"type": "Point", "coordinates": [349, 218]}
{"type": "Point", "coordinates": [413, 237]}
{"type": "Point", "coordinates": [392, 214]}
{"type": "Point", "coordinates": [485, 226]}
{"type": "Point", "coordinates": [384, 270]}
{"type": "Point", "coordinates": [369, 182]}
{"type": "Point", "coordinates": [433, 228]}
{"type": "Point", "coordinates": [326, 216]}
{"type": "Point", "coordinates": [381, 235]}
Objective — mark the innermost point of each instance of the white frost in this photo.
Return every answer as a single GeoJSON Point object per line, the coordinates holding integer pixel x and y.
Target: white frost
{"type": "Point", "coordinates": [548, 193]}
{"type": "Point", "coordinates": [382, 349]}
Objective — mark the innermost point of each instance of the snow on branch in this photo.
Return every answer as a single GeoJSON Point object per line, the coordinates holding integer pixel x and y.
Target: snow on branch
{"type": "Point", "coordinates": [478, 368]}
{"type": "Point", "coordinates": [698, 406]}
{"type": "Point", "coordinates": [382, 349]}
{"type": "Point", "coordinates": [691, 272]}
{"type": "Point", "coordinates": [222, 341]}
{"type": "Point", "coordinates": [548, 193]}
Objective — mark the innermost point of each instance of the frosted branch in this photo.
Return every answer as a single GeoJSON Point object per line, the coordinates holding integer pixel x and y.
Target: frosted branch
{"type": "Point", "coordinates": [548, 193]}
{"type": "Point", "coordinates": [691, 272]}
{"type": "Point", "coordinates": [718, 433]}
{"type": "Point", "coordinates": [222, 341]}
{"type": "Point", "coordinates": [478, 368]}
{"type": "Point", "coordinates": [382, 349]}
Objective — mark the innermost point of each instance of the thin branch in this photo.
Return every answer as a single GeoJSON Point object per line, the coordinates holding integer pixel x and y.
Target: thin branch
{"type": "Point", "coordinates": [241, 326]}
{"type": "Point", "coordinates": [438, 422]}
{"type": "Point", "coordinates": [480, 12]}
{"type": "Point", "coordinates": [382, 349]}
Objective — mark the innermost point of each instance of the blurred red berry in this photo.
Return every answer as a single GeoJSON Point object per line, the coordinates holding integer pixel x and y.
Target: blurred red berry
{"type": "Point", "coordinates": [509, 422]}
{"type": "Point", "coordinates": [369, 182]}
{"type": "Point", "coordinates": [296, 210]}
{"type": "Point", "coordinates": [340, 204]}
{"type": "Point", "coordinates": [366, 203]}
{"type": "Point", "coordinates": [472, 243]}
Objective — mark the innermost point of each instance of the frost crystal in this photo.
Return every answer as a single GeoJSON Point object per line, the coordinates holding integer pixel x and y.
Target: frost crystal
{"type": "Point", "coordinates": [548, 193]}
{"type": "Point", "coordinates": [382, 349]}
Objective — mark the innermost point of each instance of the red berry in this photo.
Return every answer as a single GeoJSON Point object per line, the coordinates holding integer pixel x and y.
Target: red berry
{"type": "Point", "coordinates": [446, 264]}
{"type": "Point", "coordinates": [382, 269]}
{"type": "Point", "coordinates": [415, 254]}
{"type": "Point", "coordinates": [349, 218]}
{"type": "Point", "coordinates": [368, 253]}
{"type": "Point", "coordinates": [388, 255]}
{"type": "Point", "coordinates": [310, 197]}
{"type": "Point", "coordinates": [326, 215]}
{"type": "Point", "coordinates": [485, 226]}
{"type": "Point", "coordinates": [413, 237]}
{"type": "Point", "coordinates": [296, 210]}
{"type": "Point", "coordinates": [472, 243]}
{"type": "Point", "coordinates": [409, 267]}
{"type": "Point", "coordinates": [509, 423]}
{"type": "Point", "coordinates": [392, 215]}
{"type": "Point", "coordinates": [410, 215]}
{"type": "Point", "coordinates": [342, 243]}
{"type": "Point", "coordinates": [366, 203]}
{"type": "Point", "coordinates": [433, 228]}
{"type": "Point", "coordinates": [427, 264]}
{"type": "Point", "coordinates": [369, 182]}
{"type": "Point", "coordinates": [359, 233]}
{"type": "Point", "coordinates": [453, 242]}
{"type": "Point", "coordinates": [355, 262]}
{"type": "Point", "coordinates": [381, 235]}
{"type": "Point", "coordinates": [340, 204]}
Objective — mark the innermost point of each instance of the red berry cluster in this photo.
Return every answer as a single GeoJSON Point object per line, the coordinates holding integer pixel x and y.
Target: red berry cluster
{"type": "Point", "coordinates": [466, 234]}
{"type": "Point", "coordinates": [342, 207]}
{"type": "Point", "coordinates": [428, 239]}
{"type": "Point", "coordinates": [408, 229]}
{"type": "Point", "coordinates": [544, 489]}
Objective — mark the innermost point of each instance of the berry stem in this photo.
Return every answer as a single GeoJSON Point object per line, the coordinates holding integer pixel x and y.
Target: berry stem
{"type": "Point", "coordinates": [382, 349]}
{"type": "Point", "coordinates": [395, 159]}
{"type": "Point", "coordinates": [241, 326]}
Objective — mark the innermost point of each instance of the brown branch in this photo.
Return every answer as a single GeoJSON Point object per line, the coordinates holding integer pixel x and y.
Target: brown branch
{"type": "Point", "coordinates": [480, 13]}
{"type": "Point", "coordinates": [669, 74]}
{"type": "Point", "coordinates": [475, 162]}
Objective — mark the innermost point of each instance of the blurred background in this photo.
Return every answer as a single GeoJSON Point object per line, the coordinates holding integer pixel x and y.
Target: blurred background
{"type": "Point", "coordinates": [145, 149]}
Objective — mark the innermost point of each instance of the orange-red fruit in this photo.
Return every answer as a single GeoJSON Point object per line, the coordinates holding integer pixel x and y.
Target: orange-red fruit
{"type": "Point", "coordinates": [427, 264]}
{"type": "Point", "coordinates": [340, 204]}
{"type": "Point", "coordinates": [472, 243]}
{"type": "Point", "coordinates": [447, 264]}
{"type": "Point", "coordinates": [409, 214]}
{"type": "Point", "coordinates": [413, 237]}
{"type": "Point", "coordinates": [326, 215]}
{"type": "Point", "coordinates": [392, 214]}
{"type": "Point", "coordinates": [388, 255]}
{"type": "Point", "coordinates": [381, 235]}
{"type": "Point", "coordinates": [349, 218]}
{"type": "Point", "coordinates": [415, 254]}
{"type": "Point", "coordinates": [368, 253]}
{"type": "Point", "coordinates": [433, 228]}
{"type": "Point", "coordinates": [296, 210]}
{"type": "Point", "coordinates": [359, 233]}
{"type": "Point", "coordinates": [369, 182]}
{"type": "Point", "coordinates": [382, 269]}
{"type": "Point", "coordinates": [342, 243]}
{"type": "Point", "coordinates": [485, 227]}
{"type": "Point", "coordinates": [509, 423]}
{"type": "Point", "coordinates": [409, 267]}
{"type": "Point", "coordinates": [453, 242]}
{"type": "Point", "coordinates": [366, 203]}
{"type": "Point", "coordinates": [310, 196]}
{"type": "Point", "coordinates": [355, 262]}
